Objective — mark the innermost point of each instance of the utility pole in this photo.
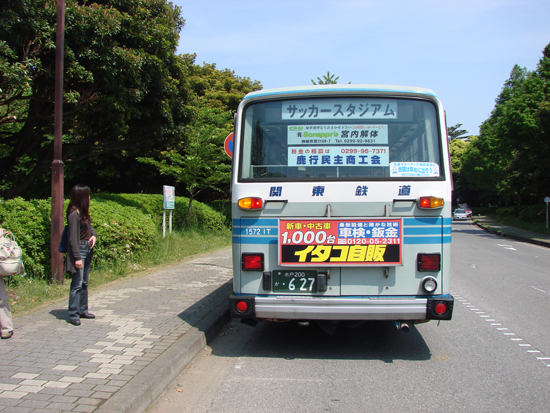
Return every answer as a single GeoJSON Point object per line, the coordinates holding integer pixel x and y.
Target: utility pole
{"type": "Point", "coordinates": [57, 164]}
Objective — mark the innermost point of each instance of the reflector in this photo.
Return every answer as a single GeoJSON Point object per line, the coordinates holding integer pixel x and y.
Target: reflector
{"type": "Point", "coordinates": [242, 306]}
{"type": "Point", "coordinates": [440, 308]}
{"type": "Point", "coordinates": [428, 262]}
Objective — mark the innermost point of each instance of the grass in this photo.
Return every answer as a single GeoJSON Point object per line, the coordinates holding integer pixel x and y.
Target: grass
{"type": "Point", "coordinates": [26, 294]}
{"type": "Point", "coordinates": [529, 226]}
{"type": "Point", "coordinates": [538, 227]}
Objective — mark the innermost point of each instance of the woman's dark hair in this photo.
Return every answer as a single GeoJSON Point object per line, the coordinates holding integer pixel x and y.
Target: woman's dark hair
{"type": "Point", "coordinates": [80, 199]}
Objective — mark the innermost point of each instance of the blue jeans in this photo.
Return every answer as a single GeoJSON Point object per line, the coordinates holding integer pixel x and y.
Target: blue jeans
{"type": "Point", "coordinates": [78, 297]}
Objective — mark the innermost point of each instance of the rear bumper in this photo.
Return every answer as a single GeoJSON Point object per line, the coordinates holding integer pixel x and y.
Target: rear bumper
{"type": "Point", "coordinates": [340, 308]}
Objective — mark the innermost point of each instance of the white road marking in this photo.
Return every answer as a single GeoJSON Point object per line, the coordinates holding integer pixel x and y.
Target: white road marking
{"type": "Point", "coordinates": [520, 342]}
{"type": "Point", "coordinates": [540, 290]}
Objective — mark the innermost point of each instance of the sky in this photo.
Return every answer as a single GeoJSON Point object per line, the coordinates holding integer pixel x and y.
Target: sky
{"type": "Point", "coordinates": [463, 50]}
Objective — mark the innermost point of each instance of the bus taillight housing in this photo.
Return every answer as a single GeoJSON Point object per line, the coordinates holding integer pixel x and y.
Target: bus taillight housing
{"type": "Point", "coordinates": [439, 308]}
{"type": "Point", "coordinates": [428, 262]}
{"type": "Point", "coordinates": [430, 202]}
{"type": "Point", "coordinates": [251, 203]}
{"type": "Point", "coordinates": [253, 261]}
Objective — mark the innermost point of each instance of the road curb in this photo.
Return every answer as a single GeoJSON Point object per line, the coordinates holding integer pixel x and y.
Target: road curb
{"type": "Point", "coordinates": [512, 236]}
{"type": "Point", "coordinates": [138, 394]}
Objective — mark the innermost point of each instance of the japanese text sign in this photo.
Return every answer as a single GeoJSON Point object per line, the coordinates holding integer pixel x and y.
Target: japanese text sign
{"type": "Point", "coordinates": [349, 242]}
{"type": "Point", "coordinates": [169, 197]}
{"type": "Point", "coordinates": [338, 156]}
{"type": "Point", "coordinates": [343, 108]}
{"type": "Point", "coordinates": [337, 134]}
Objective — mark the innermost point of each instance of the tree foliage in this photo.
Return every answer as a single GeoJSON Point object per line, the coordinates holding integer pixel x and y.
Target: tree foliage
{"type": "Point", "coordinates": [123, 85]}
{"type": "Point", "coordinates": [200, 162]}
{"type": "Point", "coordinates": [509, 163]}
{"type": "Point", "coordinates": [454, 132]}
{"type": "Point", "coordinates": [327, 79]}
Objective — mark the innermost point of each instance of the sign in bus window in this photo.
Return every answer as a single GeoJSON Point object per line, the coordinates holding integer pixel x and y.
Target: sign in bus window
{"type": "Point", "coordinates": [342, 108]}
{"type": "Point", "coordinates": [340, 242]}
{"type": "Point", "coordinates": [338, 156]}
{"type": "Point", "coordinates": [337, 134]}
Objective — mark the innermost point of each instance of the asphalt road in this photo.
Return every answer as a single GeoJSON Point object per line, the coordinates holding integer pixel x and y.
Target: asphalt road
{"type": "Point", "coordinates": [494, 356]}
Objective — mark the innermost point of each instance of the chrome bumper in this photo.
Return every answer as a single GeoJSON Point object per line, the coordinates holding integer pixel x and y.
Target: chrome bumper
{"type": "Point", "coordinates": [338, 308]}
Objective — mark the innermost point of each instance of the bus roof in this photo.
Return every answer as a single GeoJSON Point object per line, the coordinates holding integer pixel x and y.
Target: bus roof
{"type": "Point", "coordinates": [340, 88]}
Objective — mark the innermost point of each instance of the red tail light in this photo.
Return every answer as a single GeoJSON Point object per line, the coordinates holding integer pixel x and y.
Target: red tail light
{"type": "Point", "coordinates": [253, 262]}
{"type": "Point", "coordinates": [440, 308]}
{"type": "Point", "coordinates": [241, 306]}
{"type": "Point", "coordinates": [428, 262]}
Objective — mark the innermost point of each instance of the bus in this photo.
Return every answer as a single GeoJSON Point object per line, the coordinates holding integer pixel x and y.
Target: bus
{"type": "Point", "coordinates": [341, 206]}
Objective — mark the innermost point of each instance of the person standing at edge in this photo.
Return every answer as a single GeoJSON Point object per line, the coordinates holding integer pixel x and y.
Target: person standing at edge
{"type": "Point", "coordinates": [82, 239]}
{"type": "Point", "coordinates": [6, 323]}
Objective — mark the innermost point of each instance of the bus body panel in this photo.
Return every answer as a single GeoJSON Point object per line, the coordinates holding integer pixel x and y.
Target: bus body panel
{"type": "Point", "coordinates": [368, 290]}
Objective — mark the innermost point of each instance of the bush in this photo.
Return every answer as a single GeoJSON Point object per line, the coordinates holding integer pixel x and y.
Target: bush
{"type": "Point", "coordinates": [503, 213]}
{"type": "Point", "coordinates": [127, 226]}
{"type": "Point", "coordinates": [122, 231]}
{"type": "Point", "coordinates": [534, 213]}
{"type": "Point", "coordinates": [202, 216]}
{"type": "Point", "coordinates": [223, 206]}
{"type": "Point", "coordinates": [30, 224]}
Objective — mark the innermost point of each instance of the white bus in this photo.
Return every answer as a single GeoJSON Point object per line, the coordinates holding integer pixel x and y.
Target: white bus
{"type": "Point", "coordinates": [341, 205]}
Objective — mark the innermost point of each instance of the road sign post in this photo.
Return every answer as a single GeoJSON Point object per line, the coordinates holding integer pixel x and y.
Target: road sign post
{"type": "Point", "coordinates": [547, 200]}
{"type": "Point", "coordinates": [169, 201]}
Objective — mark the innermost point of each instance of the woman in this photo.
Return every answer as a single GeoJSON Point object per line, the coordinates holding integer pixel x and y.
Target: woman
{"type": "Point", "coordinates": [82, 238]}
{"type": "Point", "coordinates": [6, 323]}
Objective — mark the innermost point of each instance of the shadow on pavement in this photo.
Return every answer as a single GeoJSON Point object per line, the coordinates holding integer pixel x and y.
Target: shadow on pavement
{"type": "Point", "coordinates": [369, 341]}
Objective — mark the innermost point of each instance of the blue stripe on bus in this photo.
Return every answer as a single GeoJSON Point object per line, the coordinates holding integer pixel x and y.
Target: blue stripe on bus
{"type": "Point", "coordinates": [427, 231]}
{"type": "Point", "coordinates": [406, 240]}
{"type": "Point", "coordinates": [256, 221]}
{"type": "Point", "coordinates": [422, 231]}
{"type": "Point", "coordinates": [427, 240]}
{"type": "Point", "coordinates": [406, 221]}
{"type": "Point", "coordinates": [351, 89]}
{"type": "Point", "coordinates": [423, 221]}
{"type": "Point", "coordinates": [255, 240]}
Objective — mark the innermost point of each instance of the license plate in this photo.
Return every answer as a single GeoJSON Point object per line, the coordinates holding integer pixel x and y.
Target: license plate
{"type": "Point", "coordinates": [295, 281]}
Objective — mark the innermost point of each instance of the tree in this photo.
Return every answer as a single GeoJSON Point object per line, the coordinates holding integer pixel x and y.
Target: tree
{"type": "Point", "coordinates": [201, 166]}
{"type": "Point", "coordinates": [510, 159]}
{"type": "Point", "coordinates": [199, 161]}
{"type": "Point", "coordinates": [454, 132]}
{"type": "Point", "coordinates": [328, 79]}
{"type": "Point", "coordinates": [124, 92]}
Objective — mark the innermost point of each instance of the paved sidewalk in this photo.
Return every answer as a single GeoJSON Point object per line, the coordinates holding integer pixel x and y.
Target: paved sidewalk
{"type": "Point", "coordinates": [495, 227]}
{"type": "Point", "coordinates": [147, 330]}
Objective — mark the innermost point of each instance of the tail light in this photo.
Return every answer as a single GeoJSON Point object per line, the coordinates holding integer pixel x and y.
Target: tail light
{"type": "Point", "coordinates": [440, 308]}
{"type": "Point", "coordinates": [242, 307]}
{"type": "Point", "coordinates": [251, 203]}
{"type": "Point", "coordinates": [428, 262]}
{"type": "Point", "coordinates": [430, 202]}
{"type": "Point", "coordinates": [252, 261]}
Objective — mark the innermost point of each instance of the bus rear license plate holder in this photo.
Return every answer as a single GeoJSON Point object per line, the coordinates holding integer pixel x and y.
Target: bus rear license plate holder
{"type": "Point", "coordinates": [295, 281]}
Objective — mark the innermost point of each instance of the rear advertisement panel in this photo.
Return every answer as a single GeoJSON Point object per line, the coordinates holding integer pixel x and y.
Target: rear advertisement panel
{"type": "Point", "coordinates": [340, 242]}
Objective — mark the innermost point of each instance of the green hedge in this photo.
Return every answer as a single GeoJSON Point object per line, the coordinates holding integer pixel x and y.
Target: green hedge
{"type": "Point", "coordinates": [126, 225]}
{"type": "Point", "coordinates": [531, 213]}
{"type": "Point", "coordinates": [202, 216]}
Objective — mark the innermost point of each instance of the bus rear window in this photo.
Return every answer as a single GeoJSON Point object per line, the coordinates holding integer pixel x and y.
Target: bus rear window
{"type": "Point", "coordinates": [340, 138]}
